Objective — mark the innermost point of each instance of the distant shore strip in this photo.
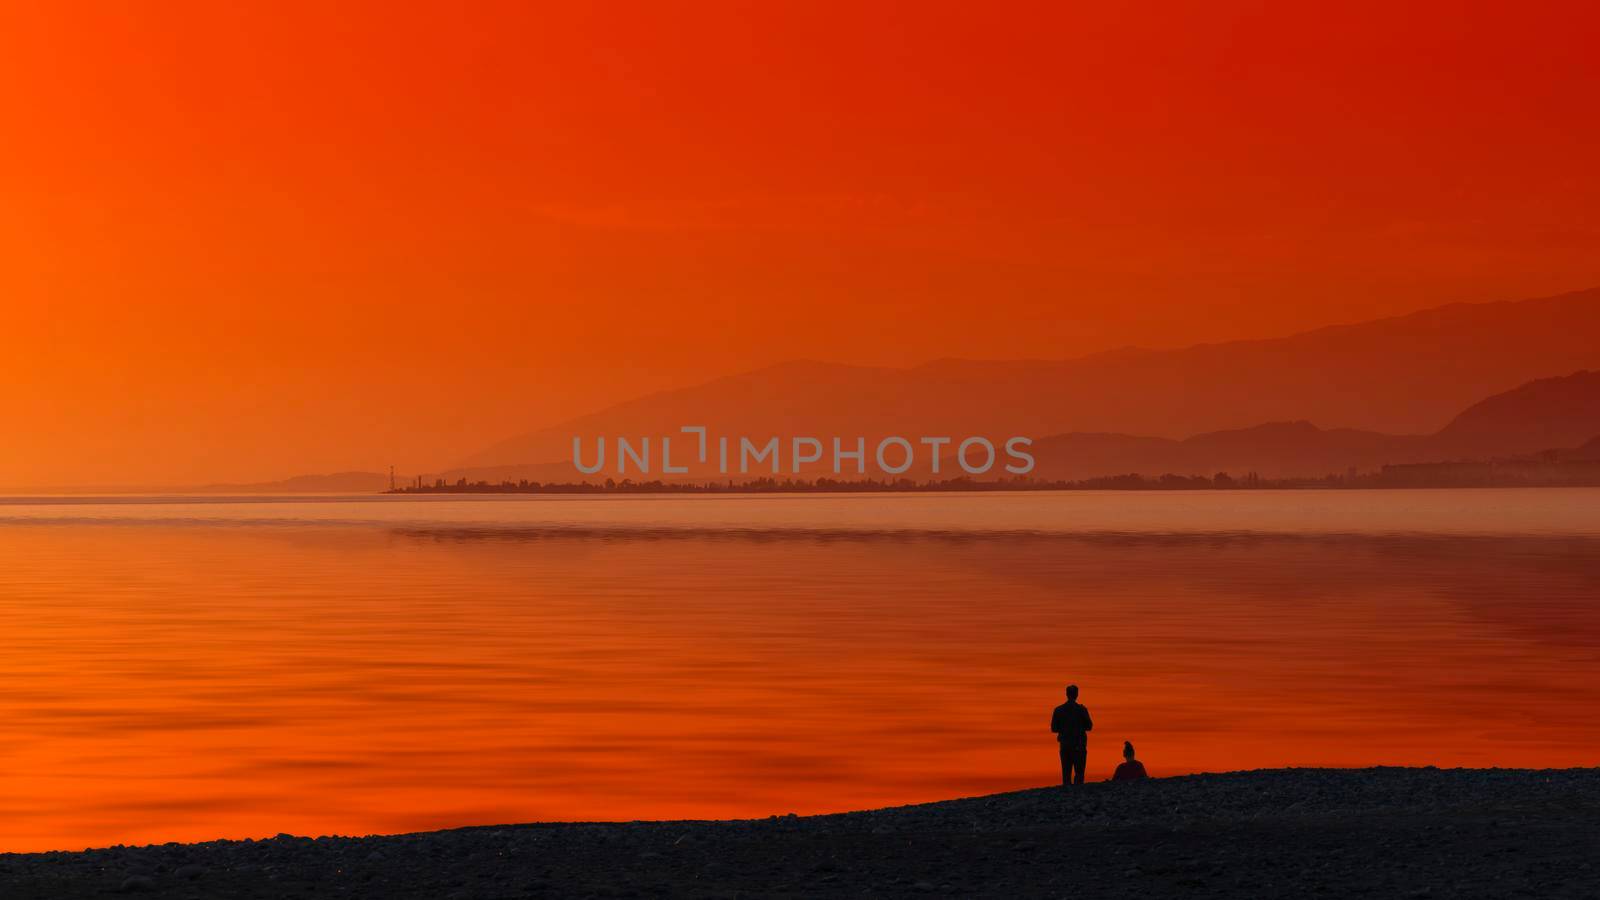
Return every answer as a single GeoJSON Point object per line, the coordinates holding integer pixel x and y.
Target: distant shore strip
{"type": "Point", "coordinates": [1427, 475]}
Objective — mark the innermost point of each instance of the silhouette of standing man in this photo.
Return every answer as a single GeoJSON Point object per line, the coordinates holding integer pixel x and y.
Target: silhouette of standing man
{"type": "Point", "coordinates": [1071, 724]}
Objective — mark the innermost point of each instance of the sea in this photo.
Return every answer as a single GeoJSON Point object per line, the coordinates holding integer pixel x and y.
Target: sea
{"type": "Point", "coordinates": [181, 668]}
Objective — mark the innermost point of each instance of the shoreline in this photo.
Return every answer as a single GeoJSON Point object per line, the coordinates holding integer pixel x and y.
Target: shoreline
{"type": "Point", "coordinates": [1271, 832]}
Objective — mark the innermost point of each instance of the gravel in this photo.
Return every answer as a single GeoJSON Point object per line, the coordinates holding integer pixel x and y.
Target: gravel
{"type": "Point", "coordinates": [1381, 832]}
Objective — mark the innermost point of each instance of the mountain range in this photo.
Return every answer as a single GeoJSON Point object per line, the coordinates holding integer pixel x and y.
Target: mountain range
{"type": "Point", "coordinates": [1407, 375]}
{"type": "Point", "coordinates": [1463, 381]}
{"type": "Point", "coordinates": [1545, 414]}
{"type": "Point", "coordinates": [1556, 416]}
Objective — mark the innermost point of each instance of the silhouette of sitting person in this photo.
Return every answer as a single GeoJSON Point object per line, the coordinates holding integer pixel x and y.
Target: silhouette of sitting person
{"type": "Point", "coordinates": [1071, 724]}
{"type": "Point", "coordinates": [1131, 769]}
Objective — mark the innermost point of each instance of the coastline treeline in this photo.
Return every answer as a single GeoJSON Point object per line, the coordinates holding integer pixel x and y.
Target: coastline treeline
{"type": "Point", "coordinates": [1507, 473]}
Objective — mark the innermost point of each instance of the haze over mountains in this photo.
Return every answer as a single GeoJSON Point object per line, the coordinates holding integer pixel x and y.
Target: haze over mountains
{"type": "Point", "coordinates": [1561, 413]}
{"type": "Point", "coordinates": [1400, 377]}
{"type": "Point", "coordinates": [1550, 413]}
{"type": "Point", "coordinates": [1461, 381]}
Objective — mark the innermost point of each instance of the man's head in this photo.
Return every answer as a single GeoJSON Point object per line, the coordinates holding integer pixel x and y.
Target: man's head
{"type": "Point", "coordinates": [1072, 692]}
{"type": "Point", "coordinates": [1127, 749]}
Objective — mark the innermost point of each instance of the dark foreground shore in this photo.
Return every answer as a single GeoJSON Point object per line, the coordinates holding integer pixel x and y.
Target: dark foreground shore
{"type": "Point", "coordinates": [1280, 833]}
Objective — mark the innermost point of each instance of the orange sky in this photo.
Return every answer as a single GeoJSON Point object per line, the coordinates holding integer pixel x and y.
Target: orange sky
{"type": "Point", "coordinates": [239, 245]}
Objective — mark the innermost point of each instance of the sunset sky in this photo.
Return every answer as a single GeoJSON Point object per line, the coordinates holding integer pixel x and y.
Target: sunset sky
{"type": "Point", "coordinates": [240, 244]}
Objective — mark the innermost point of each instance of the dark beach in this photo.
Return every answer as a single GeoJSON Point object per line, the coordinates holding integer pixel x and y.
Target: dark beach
{"type": "Point", "coordinates": [1383, 832]}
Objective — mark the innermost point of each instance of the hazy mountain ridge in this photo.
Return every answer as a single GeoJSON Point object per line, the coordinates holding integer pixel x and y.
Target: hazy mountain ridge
{"type": "Point", "coordinates": [1394, 376]}
{"type": "Point", "coordinates": [1549, 413]}
{"type": "Point", "coordinates": [1546, 414]}
{"type": "Point", "coordinates": [1560, 416]}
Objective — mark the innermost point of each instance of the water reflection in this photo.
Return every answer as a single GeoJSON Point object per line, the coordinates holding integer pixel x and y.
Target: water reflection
{"type": "Point", "coordinates": [174, 682]}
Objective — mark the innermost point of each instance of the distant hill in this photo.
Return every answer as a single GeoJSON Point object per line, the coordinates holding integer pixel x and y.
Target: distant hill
{"type": "Point", "coordinates": [1547, 414]}
{"type": "Point", "coordinates": [1550, 412]}
{"type": "Point", "coordinates": [1589, 451]}
{"type": "Point", "coordinates": [1402, 375]}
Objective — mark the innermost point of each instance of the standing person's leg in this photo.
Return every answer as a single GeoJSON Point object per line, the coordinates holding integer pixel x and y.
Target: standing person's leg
{"type": "Point", "coordinates": [1066, 765]}
{"type": "Point", "coordinates": [1080, 757]}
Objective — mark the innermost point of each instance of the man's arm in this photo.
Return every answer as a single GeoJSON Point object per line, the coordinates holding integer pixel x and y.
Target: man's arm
{"type": "Point", "coordinates": [1055, 721]}
{"type": "Point", "coordinates": [1088, 723]}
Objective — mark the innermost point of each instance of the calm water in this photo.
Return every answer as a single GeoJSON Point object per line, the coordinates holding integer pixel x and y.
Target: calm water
{"type": "Point", "coordinates": [188, 669]}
